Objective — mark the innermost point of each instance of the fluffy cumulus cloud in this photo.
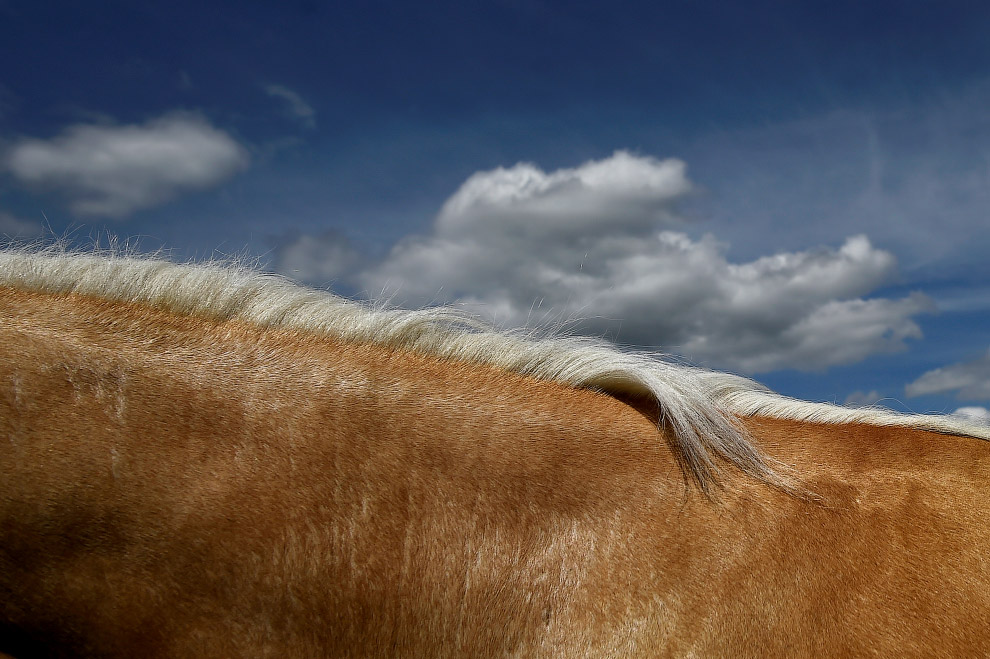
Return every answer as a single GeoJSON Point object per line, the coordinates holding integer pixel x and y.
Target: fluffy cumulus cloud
{"type": "Point", "coordinates": [970, 380]}
{"type": "Point", "coordinates": [295, 106]}
{"type": "Point", "coordinates": [623, 194]}
{"type": "Point", "coordinates": [598, 243]}
{"type": "Point", "coordinates": [112, 170]}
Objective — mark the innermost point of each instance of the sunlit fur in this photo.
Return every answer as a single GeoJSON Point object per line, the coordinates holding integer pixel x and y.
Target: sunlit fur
{"type": "Point", "coordinates": [205, 460]}
{"type": "Point", "coordinates": [697, 404]}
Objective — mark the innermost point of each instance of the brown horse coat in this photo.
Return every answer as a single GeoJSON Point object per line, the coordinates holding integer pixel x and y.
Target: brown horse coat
{"type": "Point", "coordinates": [174, 484]}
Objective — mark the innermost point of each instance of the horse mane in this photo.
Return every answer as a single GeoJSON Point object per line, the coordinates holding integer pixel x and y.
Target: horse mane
{"type": "Point", "coordinates": [701, 407]}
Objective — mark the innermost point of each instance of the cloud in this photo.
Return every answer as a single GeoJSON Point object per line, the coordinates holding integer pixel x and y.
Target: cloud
{"type": "Point", "coordinates": [15, 227]}
{"type": "Point", "coordinates": [112, 171]}
{"type": "Point", "coordinates": [863, 398]}
{"type": "Point", "coordinates": [913, 176]}
{"type": "Point", "coordinates": [595, 243]}
{"type": "Point", "coordinates": [317, 259]}
{"type": "Point", "coordinates": [296, 107]}
{"type": "Point", "coordinates": [974, 413]}
{"type": "Point", "coordinates": [970, 380]}
{"type": "Point", "coordinates": [623, 193]}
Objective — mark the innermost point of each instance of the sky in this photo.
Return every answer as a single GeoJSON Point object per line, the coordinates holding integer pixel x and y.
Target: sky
{"type": "Point", "coordinates": [796, 192]}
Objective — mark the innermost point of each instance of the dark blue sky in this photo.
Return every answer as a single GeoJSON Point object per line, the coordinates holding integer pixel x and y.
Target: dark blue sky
{"type": "Point", "coordinates": [348, 125]}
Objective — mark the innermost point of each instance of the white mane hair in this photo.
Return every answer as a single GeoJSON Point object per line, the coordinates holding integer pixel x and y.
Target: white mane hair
{"type": "Point", "coordinates": [699, 406]}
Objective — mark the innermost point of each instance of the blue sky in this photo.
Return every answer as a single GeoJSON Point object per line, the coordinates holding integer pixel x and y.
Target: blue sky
{"type": "Point", "coordinates": [793, 191]}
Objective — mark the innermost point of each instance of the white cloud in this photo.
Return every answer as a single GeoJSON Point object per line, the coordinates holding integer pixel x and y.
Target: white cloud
{"type": "Point", "coordinates": [296, 106]}
{"type": "Point", "coordinates": [970, 380]}
{"type": "Point", "coordinates": [112, 171]}
{"type": "Point", "coordinates": [623, 193]}
{"type": "Point", "coordinates": [317, 259]}
{"type": "Point", "coordinates": [974, 413]}
{"type": "Point", "coordinates": [589, 243]}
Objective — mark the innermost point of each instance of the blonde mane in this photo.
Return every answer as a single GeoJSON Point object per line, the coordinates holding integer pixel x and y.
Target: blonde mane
{"type": "Point", "coordinates": [699, 406]}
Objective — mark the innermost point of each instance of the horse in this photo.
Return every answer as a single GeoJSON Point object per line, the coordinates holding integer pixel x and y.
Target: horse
{"type": "Point", "coordinates": [206, 460]}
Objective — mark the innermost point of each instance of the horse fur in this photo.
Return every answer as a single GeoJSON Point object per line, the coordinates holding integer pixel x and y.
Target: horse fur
{"type": "Point", "coordinates": [205, 461]}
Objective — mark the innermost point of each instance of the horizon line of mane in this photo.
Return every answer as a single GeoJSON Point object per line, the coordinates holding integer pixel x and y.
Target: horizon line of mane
{"type": "Point", "coordinates": [699, 406]}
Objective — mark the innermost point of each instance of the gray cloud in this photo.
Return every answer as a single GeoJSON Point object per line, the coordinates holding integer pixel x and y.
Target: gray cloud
{"type": "Point", "coordinates": [317, 259]}
{"type": "Point", "coordinates": [591, 243]}
{"type": "Point", "coordinates": [970, 380]}
{"type": "Point", "coordinates": [12, 226]}
{"type": "Point", "coordinates": [296, 106]}
{"type": "Point", "coordinates": [863, 398]}
{"type": "Point", "coordinates": [112, 171]}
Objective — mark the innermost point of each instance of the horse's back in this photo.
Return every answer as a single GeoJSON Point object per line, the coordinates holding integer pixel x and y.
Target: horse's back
{"type": "Point", "coordinates": [176, 485]}
{"type": "Point", "coordinates": [891, 561]}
